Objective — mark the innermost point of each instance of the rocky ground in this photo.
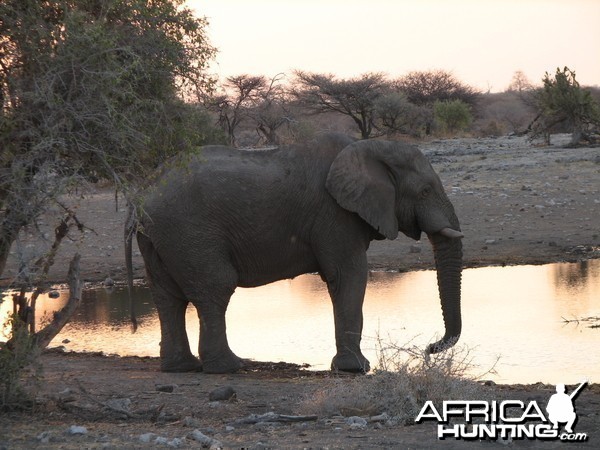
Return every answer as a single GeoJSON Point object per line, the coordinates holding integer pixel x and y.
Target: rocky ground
{"type": "Point", "coordinates": [518, 204]}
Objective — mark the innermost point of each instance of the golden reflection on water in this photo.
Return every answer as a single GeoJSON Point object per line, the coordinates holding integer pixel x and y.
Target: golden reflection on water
{"type": "Point", "coordinates": [512, 312]}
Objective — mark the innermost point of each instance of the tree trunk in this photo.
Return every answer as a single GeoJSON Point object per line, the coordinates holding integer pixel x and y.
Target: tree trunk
{"type": "Point", "coordinates": [44, 336]}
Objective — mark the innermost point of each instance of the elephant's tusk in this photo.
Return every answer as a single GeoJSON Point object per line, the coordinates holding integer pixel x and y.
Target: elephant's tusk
{"type": "Point", "coordinates": [452, 234]}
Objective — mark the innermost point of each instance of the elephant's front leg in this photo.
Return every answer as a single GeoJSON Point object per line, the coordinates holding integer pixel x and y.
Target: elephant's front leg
{"type": "Point", "coordinates": [346, 284]}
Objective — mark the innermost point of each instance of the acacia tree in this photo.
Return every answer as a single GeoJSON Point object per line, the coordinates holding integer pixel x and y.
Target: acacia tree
{"type": "Point", "coordinates": [561, 100]}
{"type": "Point", "coordinates": [520, 83]}
{"type": "Point", "coordinates": [354, 97]}
{"type": "Point", "coordinates": [240, 94]}
{"type": "Point", "coordinates": [424, 88]}
{"type": "Point", "coordinates": [90, 89]}
{"type": "Point", "coordinates": [271, 111]}
{"type": "Point", "coordinates": [395, 114]}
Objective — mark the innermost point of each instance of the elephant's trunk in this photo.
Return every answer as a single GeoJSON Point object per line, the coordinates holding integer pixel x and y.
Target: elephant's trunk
{"type": "Point", "coordinates": [448, 262]}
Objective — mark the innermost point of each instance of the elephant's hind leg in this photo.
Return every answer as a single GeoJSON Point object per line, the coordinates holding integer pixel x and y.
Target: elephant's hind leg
{"type": "Point", "coordinates": [175, 354]}
{"type": "Point", "coordinates": [210, 295]}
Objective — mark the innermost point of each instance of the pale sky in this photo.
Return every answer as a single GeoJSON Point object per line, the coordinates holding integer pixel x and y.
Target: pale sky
{"type": "Point", "coordinates": [482, 42]}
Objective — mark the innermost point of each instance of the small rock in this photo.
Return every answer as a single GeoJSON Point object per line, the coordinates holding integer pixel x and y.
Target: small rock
{"type": "Point", "coordinates": [356, 423]}
{"type": "Point", "coordinates": [65, 341]}
{"type": "Point", "coordinates": [44, 437]}
{"type": "Point", "coordinates": [109, 282]}
{"type": "Point", "coordinates": [223, 393]}
{"type": "Point", "coordinates": [490, 241]}
{"type": "Point", "coordinates": [66, 396]}
{"type": "Point", "coordinates": [191, 422]}
{"type": "Point", "coordinates": [229, 428]}
{"type": "Point", "coordinates": [415, 248]}
{"type": "Point", "coordinates": [119, 403]}
{"type": "Point", "coordinates": [206, 441]}
{"type": "Point", "coordinates": [75, 429]}
{"type": "Point", "coordinates": [161, 440]}
{"type": "Point", "coordinates": [176, 443]}
{"type": "Point", "coordinates": [53, 294]}
{"type": "Point", "coordinates": [166, 387]}
{"type": "Point", "coordinates": [146, 437]}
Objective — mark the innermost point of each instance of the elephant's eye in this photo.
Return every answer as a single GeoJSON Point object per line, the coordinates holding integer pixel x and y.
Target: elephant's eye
{"type": "Point", "coordinates": [426, 191]}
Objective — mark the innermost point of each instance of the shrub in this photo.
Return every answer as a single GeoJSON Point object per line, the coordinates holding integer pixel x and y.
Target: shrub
{"type": "Point", "coordinates": [403, 380]}
{"type": "Point", "coordinates": [562, 101]}
{"type": "Point", "coordinates": [15, 355]}
{"type": "Point", "coordinates": [452, 116]}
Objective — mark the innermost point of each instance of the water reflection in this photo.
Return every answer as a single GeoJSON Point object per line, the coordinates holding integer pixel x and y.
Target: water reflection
{"type": "Point", "coordinates": [574, 277]}
{"type": "Point", "coordinates": [513, 312]}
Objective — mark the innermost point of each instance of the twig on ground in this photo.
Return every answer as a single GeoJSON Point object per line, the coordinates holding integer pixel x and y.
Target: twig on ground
{"type": "Point", "coordinates": [594, 321]}
{"type": "Point", "coordinates": [273, 417]}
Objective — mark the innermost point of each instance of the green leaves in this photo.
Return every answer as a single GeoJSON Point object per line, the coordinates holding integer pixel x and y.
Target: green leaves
{"type": "Point", "coordinates": [452, 115]}
{"type": "Point", "coordinates": [93, 89]}
{"type": "Point", "coordinates": [562, 100]}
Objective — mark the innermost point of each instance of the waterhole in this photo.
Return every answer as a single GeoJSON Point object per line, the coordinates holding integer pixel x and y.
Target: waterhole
{"type": "Point", "coordinates": [530, 317]}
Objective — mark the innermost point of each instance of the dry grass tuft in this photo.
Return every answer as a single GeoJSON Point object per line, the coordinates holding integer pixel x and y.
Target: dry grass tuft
{"type": "Point", "coordinates": [403, 380]}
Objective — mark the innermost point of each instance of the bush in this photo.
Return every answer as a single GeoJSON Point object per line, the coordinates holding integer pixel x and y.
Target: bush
{"type": "Point", "coordinates": [396, 114]}
{"type": "Point", "coordinates": [452, 116]}
{"type": "Point", "coordinates": [563, 101]}
{"type": "Point", "coordinates": [15, 355]}
{"type": "Point", "coordinates": [403, 380]}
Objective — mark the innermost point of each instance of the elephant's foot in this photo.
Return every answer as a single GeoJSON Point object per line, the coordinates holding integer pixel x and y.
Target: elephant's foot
{"type": "Point", "coordinates": [181, 364]}
{"type": "Point", "coordinates": [350, 362]}
{"type": "Point", "coordinates": [223, 363]}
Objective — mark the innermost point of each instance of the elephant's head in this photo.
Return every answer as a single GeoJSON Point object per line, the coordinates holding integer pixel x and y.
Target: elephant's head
{"type": "Point", "coordinates": [393, 187]}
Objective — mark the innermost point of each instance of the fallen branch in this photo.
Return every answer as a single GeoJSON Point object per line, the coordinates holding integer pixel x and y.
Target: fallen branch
{"type": "Point", "coordinates": [272, 417]}
{"type": "Point", "coordinates": [595, 321]}
{"type": "Point", "coordinates": [147, 414]}
{"type": "Point", "coordinates": [60, 318]}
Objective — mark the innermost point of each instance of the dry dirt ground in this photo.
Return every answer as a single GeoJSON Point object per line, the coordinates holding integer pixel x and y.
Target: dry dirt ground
{"type": "Point", "coordinates": [518, 204]}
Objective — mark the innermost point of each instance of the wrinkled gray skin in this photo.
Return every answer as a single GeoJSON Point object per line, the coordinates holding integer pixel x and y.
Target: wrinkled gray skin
{"type": "Point", "coordinates": [229, 218]}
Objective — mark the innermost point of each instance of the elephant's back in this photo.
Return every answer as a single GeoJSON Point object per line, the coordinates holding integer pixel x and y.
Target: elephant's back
{"type": "Point", "coordinates": [218, 177]}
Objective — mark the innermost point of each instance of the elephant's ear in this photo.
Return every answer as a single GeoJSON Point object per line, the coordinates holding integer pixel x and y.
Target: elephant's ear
{"type": "Point", "coordinates": [360, 182]}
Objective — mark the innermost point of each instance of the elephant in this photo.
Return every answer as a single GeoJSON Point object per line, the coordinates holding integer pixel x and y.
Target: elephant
{"type": "Point", "coordinates": [222, 218]}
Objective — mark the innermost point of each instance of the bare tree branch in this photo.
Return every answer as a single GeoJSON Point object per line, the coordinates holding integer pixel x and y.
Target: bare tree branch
{"type": "Point", "coordinates": [60, 318]}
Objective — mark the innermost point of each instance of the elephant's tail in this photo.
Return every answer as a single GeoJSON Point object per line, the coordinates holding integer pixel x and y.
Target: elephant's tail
{"type": "Point", "coordinates": [130, 229]}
